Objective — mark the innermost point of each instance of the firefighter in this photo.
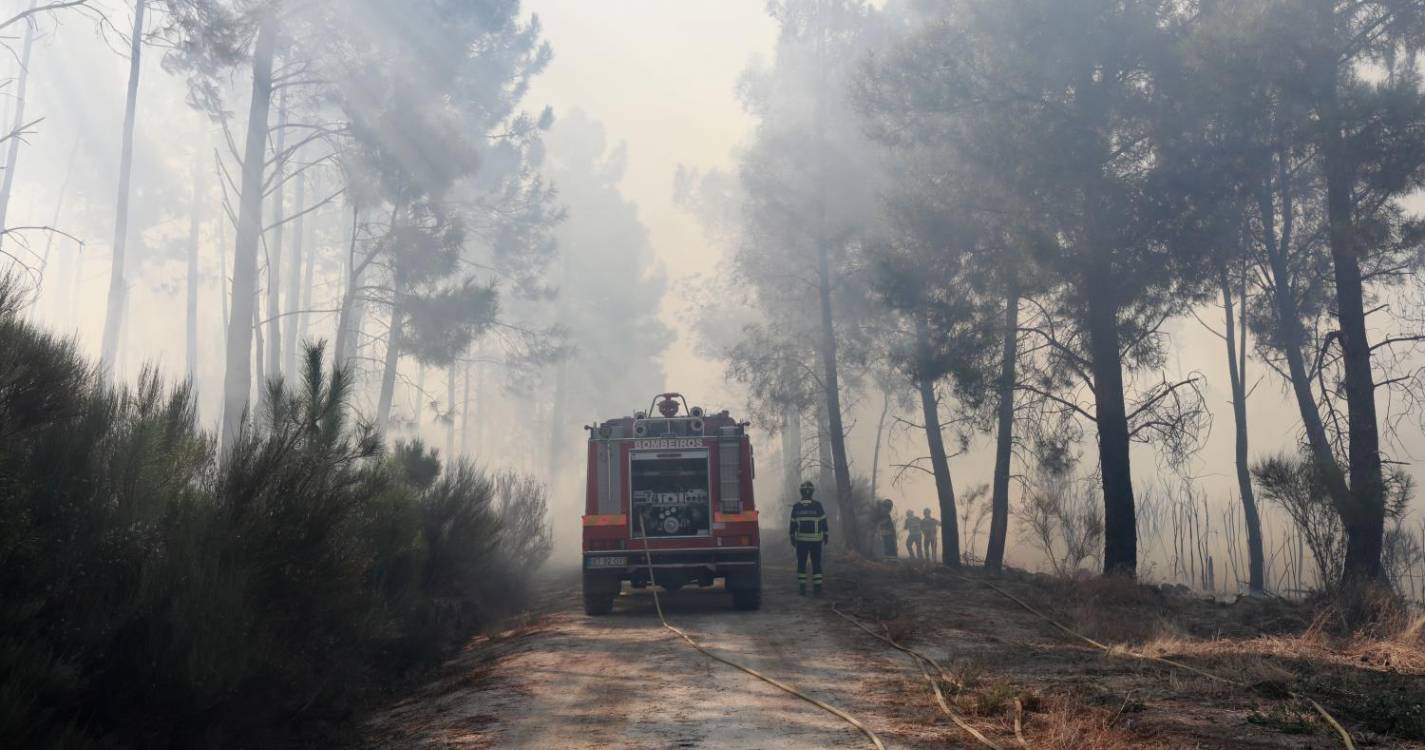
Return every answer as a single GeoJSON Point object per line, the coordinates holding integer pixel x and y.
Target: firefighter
{"type": "Point", "coordinates": [929, 534]}
{"type": "Point", "coordinates": [808, 531]}
{"type": "Point", "coordinates": [912, 536]}
{"type": "Point", "coordinates": [886, 524]}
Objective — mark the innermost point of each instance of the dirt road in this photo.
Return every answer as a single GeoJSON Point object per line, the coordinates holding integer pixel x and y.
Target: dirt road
{"type": "Point", "coordinates": [563, 680]}
{"type": "Point", "coordinates": [572, 681]}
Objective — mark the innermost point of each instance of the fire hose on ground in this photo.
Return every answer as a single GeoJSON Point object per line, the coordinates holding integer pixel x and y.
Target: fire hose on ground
{"type": "Point", "coordinates": [922, 661]}
{"type": "Point", "coordinates": [833, 710]}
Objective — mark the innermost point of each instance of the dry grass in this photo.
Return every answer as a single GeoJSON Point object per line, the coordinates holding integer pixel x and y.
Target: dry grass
{"type": "Point", "coordinates": [1071, 725]}
{"type": "Point", "coordinates": [1269, 649]}
{"type": "Point", "coordinates": [1402, 652]}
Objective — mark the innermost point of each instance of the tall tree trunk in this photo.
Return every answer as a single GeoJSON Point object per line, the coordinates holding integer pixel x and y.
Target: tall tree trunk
{"type": "Point", "coordinates": [118, 288]}
{"type": "Point", "coordinates": [1291, 334]}
{"type": "Point", "coordinates": [1364, 516]}
{"type": "Point", "coordinates": [1120, 526]}
{"type": "Point", "coordinates": [13, 155]}
{"type": "Point", "coordinates": [935, 441]}
{"type": "Point", "coordinates": [274, 250]}
{"type": "Point", "coordinates": [880, 433]}
{"type": "Point", "coordinates": [346, 320]}
{"type": "Point", "coordinates": [258, 380]}
{"type": "Point", "coordinates": [450, 413]}
{"type": "Point", "coordinates": [394, 335]}
{"type": "Point", "coordinates": [224, 278]}
{"type": "Point", "coordinates": [237, 381]}
{"type": "Point", "coordinates": [481, 402]}
{"type": "Point", "coordinates": [841, 468]}
{"type": "Point", "coordinates": [191, 312]}
{"type": "Point", "coordinates": [1004, 436]}
{"type": "Point", "coordinates": [465, 414]}
{"type": "Point", "coordinates": [309, 268]}
{"type": "Point", "coordinates": [388, 370]}
{"type": "Point", "coordinates": [294, 277]}
{"type": "Point", "coordinates": [826, 476]}
{"type": "Point", "coordinates": [1237, 373]}
{"type": "Point", "coordinates": [791, 453]}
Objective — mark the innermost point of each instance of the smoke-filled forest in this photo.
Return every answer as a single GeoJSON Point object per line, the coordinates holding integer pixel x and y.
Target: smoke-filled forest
{"type": "Point", "coordinates": [322, 323]}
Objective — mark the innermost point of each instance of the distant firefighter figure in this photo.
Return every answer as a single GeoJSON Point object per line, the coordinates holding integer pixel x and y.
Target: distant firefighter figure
{"type": "Point", "coordinates": [808, 531]}
{"type": "Point", "coordinates": [913, 547]}
{"type": "Point", "coordinates": [886, 528]}
{"type": "Point", "coordinates": [929, 534]}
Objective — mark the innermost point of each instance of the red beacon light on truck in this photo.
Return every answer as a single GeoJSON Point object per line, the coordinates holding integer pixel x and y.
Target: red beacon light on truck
{"type": "Point", "coordinates": [673, 491]}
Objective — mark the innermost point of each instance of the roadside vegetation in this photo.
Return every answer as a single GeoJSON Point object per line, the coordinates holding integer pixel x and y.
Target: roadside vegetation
{"type": "Point", "coordinates": [159, 593]}
{"type": "Point", "coordinates": [1272, 655]}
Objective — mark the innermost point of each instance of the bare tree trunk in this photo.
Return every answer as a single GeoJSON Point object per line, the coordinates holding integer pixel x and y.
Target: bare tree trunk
{"type": "Point", "coordinates": [274, 250]}
{"type": "Point", "coordinates": [294, 278]}
{"type": "Point", "coordinates": [836, 436]}
{"type": "Point", "coordinates": [841, 467]}
{"type": "Point", "coordinates": [1364, 516]}
{"type": "Point", "coordinates": [1120, 530]}
{"type": "Point", "coordinates": [791, 453]}
{"type": "Point", "coordinates": [18, 123]}
{"type": "Point", "coordinates": [935, 441]}
{"type": "Point", "coordinates": [880, 433]}
{"type": "Point", "coordinates": [465, 414]}
{"type": "Point", "coordinates": [826, 477]}
{"type": "Point", "coordinates": [450, 413]}
{"type": "Point", "coordinates": [237, 382]}
{"type": "Point", "coordinates": [1237, 372]}
{"type": "Point", "coordinates": [191, 313]}
{"type": "Point", "coordinates": [481, 403]}
{"type": "Point", "coordinates": [388, 371]}
{"type": "Point", "coordinates": [258, 379]}
{"type": "Point", "coordinates": [1293, 338]}
{"type": "Point", "coordinates": [304, 318]}
{"type": "Point", "coordinates": [1004, 437]}
{"type": "Point", "coordinates": [118, 287]}
{"type": "Point", "coordinates": [346, 321]}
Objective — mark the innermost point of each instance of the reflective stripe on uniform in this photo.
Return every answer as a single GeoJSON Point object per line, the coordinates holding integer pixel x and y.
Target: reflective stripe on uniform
{"type": "Point", "coordinates": [808, 528]}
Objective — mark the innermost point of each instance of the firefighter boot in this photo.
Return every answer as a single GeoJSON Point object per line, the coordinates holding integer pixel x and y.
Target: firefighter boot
{"type": "Point", "coordinates": [816, 589]}
{"type": "Point", "coordinates": [802, 589]}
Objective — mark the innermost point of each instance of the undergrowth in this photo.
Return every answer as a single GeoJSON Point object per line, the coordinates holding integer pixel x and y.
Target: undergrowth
{"type": "Point", "coordinates": [160, 593]}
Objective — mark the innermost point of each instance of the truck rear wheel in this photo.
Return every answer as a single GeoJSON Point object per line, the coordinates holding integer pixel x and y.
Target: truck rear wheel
{"type": "Point", "coordinates": [599, 593]}
{"type": "Point", "coordinates": [746, 588]}
{"type": "Point", "coordinates": [747, 600]}
{"type": "Point", "coordinates": [596, 603]}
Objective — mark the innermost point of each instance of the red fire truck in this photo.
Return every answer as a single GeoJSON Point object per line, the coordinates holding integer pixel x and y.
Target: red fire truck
{"type": "Point", "coordinates": [671, 489]}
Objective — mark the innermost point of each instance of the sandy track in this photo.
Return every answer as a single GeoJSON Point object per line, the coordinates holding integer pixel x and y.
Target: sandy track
{"type": "Point", "coordinates": [623, 681]}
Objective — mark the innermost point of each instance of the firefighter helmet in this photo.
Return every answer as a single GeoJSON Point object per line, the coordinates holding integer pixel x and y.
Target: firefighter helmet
{"type": "Point", "coordinates": [808, 488]}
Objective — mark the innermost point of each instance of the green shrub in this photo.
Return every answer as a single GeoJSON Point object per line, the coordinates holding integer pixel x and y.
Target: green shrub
{"type": "Point", "coordinates": [157, 593]}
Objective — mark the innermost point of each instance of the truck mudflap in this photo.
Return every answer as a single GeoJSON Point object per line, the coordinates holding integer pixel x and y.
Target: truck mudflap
{"type": "Point", "coordinates": [605, 572]}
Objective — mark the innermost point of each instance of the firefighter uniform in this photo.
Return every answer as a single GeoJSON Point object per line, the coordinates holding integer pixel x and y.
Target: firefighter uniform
{"type": "Point", "coordinates": [808, 531]}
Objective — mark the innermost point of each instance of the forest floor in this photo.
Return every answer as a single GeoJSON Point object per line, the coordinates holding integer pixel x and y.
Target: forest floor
{"type": "Point", "coordinates": [559, 679]}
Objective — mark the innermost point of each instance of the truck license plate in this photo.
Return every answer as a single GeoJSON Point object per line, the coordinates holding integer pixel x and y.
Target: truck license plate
{"type": "Point", "coordinates": [608, 562]}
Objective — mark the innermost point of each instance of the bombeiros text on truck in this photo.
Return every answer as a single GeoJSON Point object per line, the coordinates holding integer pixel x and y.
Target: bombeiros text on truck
{"type": "Point", "coordinates": [670, 491]}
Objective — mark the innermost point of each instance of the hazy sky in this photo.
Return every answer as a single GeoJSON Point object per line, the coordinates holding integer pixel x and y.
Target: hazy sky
{"type": "Point", "coordinates": [660, 76]}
